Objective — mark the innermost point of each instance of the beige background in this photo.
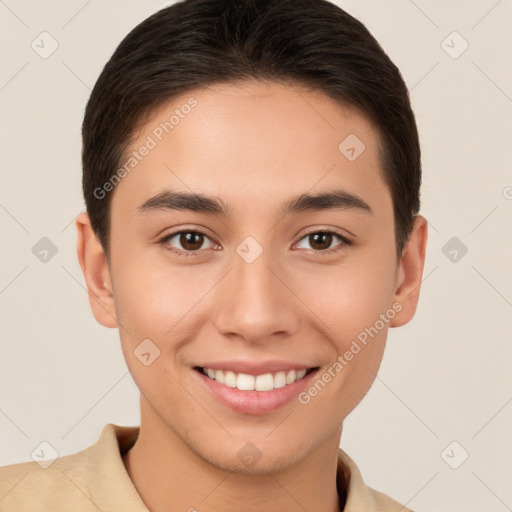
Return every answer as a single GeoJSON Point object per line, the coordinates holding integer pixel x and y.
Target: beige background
{"type": "Point", "coordinates": [445, 376]}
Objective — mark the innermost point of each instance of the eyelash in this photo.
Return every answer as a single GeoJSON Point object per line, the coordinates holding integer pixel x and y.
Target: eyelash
{"type": "Point", "coordinates": [345, 242]}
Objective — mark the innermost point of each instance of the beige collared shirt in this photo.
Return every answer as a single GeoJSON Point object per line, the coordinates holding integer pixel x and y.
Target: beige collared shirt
{"type": "Point", "coordinates": [95, 479]}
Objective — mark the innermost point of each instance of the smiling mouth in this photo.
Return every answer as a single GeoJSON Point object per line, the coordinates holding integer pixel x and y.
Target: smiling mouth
{"type": "Point", "coordinates": [263, 382]}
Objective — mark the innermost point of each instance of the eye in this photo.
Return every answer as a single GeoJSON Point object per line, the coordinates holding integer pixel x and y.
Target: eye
{"type": "Point", "coordinates": [320, 241]}
{"type": "Point", "coordinates": [189, 242]}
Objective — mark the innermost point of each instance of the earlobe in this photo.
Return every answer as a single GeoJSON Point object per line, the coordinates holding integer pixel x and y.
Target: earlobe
{"type": "Point", "coordinates": [93, 262]}
{"type": "Point", "coordinates": [410, 273]}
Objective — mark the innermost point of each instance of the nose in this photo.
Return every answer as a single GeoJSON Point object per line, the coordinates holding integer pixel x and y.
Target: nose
{"type": "Point", "coordinates": [256, 302]}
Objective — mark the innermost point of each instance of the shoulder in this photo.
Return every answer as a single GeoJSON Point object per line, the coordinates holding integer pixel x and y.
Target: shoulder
{"type": "Point", "coordinates": [359, 496]}
{"type": "Point", "coordinates": [88, 480]}
{"type": "Point", "coordinates": [385, 503]}
{"type": "Point", "coordinates": [26, 486]}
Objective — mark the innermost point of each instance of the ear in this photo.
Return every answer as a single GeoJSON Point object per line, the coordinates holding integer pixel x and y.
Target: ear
{"type": "Point", "coordinates": [93, 262]}
{"type": "Point", "coordinates": [410, 273]}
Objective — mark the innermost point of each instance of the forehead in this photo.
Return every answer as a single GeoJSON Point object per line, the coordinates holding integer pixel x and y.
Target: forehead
{"type": "Point", "coordinates": [253, 139]}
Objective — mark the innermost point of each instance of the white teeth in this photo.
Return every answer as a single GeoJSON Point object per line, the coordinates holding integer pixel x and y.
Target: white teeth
{"type": "Point", "coordinates": [230, 379]}
{"type": "Point", "coordinates": [291, 377]}
{"type": "Point", "coordinates": [219, 376]}
{"type": "Point", "coordinates": [244, 382]}
{"type": "Point", "coordinates": [280, 380]}
{"type": "Point", "coordinates": [264, 382]}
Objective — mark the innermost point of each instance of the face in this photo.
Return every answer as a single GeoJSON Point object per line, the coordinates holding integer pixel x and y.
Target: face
{"type": "Point", "coordinates": [238, 279]}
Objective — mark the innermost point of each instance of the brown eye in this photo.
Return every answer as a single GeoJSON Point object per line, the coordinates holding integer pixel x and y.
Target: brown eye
{"type": "Point", "coordinates": [184, 242]}
{"type": "Point", "coordinates": [321, 241]}
{"type": "Point", "coordinates": [191, 241]}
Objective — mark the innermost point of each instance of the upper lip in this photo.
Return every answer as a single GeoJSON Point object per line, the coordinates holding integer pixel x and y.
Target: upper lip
{"type": "Point", "coordinates": [255, 367]}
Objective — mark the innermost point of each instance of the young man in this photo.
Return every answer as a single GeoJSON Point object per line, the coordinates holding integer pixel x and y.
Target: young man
{"type": "Point", "coordinates": [251, 171]}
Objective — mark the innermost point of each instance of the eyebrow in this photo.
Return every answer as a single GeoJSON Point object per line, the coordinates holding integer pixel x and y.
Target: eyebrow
{"type": "Point", "coordinates": [183, 201]}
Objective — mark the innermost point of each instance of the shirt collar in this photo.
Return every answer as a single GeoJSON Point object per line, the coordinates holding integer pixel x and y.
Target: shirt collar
{"type": "Point", "coordinates": [115, 489]}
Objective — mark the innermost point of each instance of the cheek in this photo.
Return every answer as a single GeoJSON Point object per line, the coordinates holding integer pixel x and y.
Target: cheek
{"type": "Point", "coordinates": [153, 297]}
{"type": "Point", "coordinates": [349, 305]}
{"type": "Point", "coordinates": [152, 305]}
{"type": "Point", "coordinates": [163, 302]}
{"type": "Point", "coordinates": [349, 297]}
{"type": "Point", "coordinates": [151, 300]}
{"type": "Point", "coordinates": [353, 302]}
{"type": "Point", "coordinates": [147, 298]}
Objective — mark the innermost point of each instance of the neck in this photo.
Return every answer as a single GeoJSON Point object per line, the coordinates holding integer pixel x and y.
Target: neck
{"type": "Point", "coordinates": [170, 476]}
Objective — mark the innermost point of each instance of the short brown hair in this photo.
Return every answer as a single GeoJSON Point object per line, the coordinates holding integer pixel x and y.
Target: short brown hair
{"type": "Point", "coordinates": [195, 43]}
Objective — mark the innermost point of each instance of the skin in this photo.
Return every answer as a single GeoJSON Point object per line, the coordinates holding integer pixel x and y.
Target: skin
{"type": "Point", "coordinates": [254, 146]}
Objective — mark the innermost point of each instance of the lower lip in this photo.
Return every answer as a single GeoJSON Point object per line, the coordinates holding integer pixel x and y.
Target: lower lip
{"type": "Point", "coordinates": [255, 402]}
